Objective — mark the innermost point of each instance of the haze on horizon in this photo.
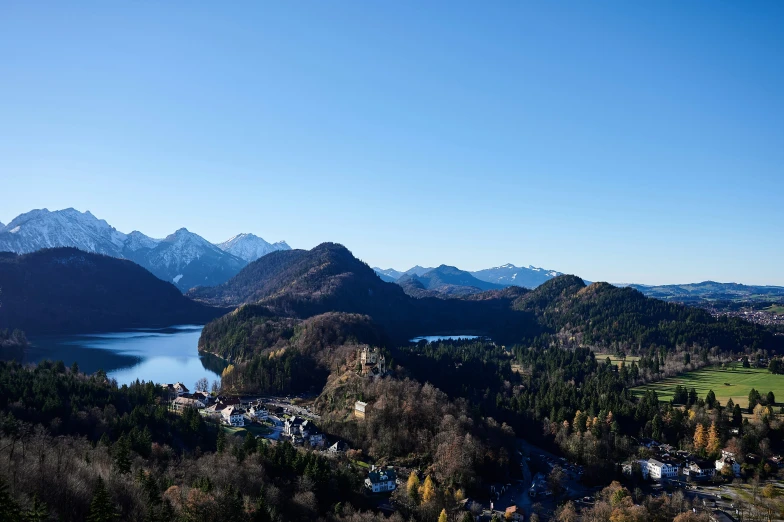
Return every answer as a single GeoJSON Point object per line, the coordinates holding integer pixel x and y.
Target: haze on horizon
{"type": "Point", "coordinates": [616, 141]}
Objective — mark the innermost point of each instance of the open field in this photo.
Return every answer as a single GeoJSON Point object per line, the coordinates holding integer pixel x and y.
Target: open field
{"type": "Point", "coordinates": [601, 357]}
{"type": "Point", "coordinates": [735, 382]}
{"type": "Point", "coordinates": [775, 308]}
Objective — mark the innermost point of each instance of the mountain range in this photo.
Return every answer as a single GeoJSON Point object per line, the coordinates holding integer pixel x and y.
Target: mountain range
{"type": "Point", "coordinates": [693, 293]}
{"type": "Point", "coordinates": [182, 258]}
{"type": "Point", "coordinates": [448, 280]}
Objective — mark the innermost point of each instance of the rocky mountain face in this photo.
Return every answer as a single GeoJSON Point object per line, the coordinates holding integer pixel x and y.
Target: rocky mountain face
{"type": "Point", "coordinates": [182, 258]}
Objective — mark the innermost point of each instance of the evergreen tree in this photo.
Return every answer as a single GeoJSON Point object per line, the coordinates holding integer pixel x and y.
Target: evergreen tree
{"type": "Point", "coordinates": [770, 399]}
{"type": "Point", "coordinates": [122, 455]}
{"type": "Point", "coordinates": [710, 399]}
{"type": "Point", "coordinates": [221, 440]}
{"type": "Point", "coordinates": [745, 362]}
{"type": "Point", "coordinates": [249, 445]}
{"type": "Point", "coordinates": [737, 415]}
{"type": "Point", "coordinates": [9, 509]}
{"type": "Point", "coordinates": [101, 508]}
{"type": "Point", "coordinates": [37, 512]}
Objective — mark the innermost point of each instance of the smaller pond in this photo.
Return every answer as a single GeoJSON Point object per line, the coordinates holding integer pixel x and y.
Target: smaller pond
{"type": "Point", "coordinates": [434, 338]}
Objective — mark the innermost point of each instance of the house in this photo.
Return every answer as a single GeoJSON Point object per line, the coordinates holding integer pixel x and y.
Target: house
{"type": "Point", "coordinates": [628, 468]}
{"type": "Point", "coordinates": [727, 460]}
{"type": "Point", "coordinates": [177, 388]}
{"type": "Point", "coordinates": [292, 427]}
{"type": "Point", "coordinates": [257, 412]}
{"type": "Point", "coordinates": [338, 447]}
{"type": "Point", "coordinates": [182, 402]}
{"type": "Point", "coordinates": [659, 470]}
{"type": "Point", "coordinates": [233, 415]}
{"type": "Point", "coordinates": [360, 409]}
{"type": "Point", "coordinates": [514, 513]}
{"type": "Point", "coordinates": [204, 397]}
{"type": "Point", "coordinates": [699, 470]}
{"type": "Point", "coordinates": [381, 480]}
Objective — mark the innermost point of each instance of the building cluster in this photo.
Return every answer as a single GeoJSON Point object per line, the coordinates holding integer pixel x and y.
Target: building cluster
{"type": "Point", "coordinates": [303, 432]}
{"type": "Point", "coordinates": [755, 316]}
{"type": "Point", "coordinates": [670, 464]}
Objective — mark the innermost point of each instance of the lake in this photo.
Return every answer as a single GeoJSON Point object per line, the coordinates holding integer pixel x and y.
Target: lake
{"type": "Point", "coordinates": [164, 355]}
{"type": "Point", "coordinates": [434, 338]}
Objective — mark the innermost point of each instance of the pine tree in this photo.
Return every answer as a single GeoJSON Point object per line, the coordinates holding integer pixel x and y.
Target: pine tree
{"type": "Point", "coordinates": [700, 438]}
{"type": "Point", "coordinates": [221, 441]}
{"type": "Point", "coordinates": [101, 507]}
{"type": "Point", "coordinates": [37, 512]}
{"type": "Point", "coordinates": [713, 444]}
{"type": "Point", "coordinates": [9, 509]}
{"type": "Point", "coordinates": [710, 399]}
{"type": "Point", "coordinates": [122, 455]}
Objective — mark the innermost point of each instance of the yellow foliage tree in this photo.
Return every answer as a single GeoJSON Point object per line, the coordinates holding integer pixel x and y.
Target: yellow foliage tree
{"type": "Point", "coordinates": [700, 437]}
{"type": "Point", "coordinates": [412, 486]}
{"type": "Point", "coordinates": [459, 495]}
{"type": "Point", "coordinates": [442, 516]}
{"type": "Point", "coordinates": [713, 444]}
{"type": "Point", "coordinates": [428, 490]}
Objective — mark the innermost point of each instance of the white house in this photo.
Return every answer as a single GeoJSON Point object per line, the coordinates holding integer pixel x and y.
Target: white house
{"type": "Point", "coordinates": [658, 470]}
{"type": "Point", "coordinates": [338, 447]}
{"type": "Point", "coordinates": [699, 470]}
{"type": "Point", "coordinates": [381, 480]}
{"type": "Point", "coordinates": [233, 415]}
{"type": "Point", "coordinates": [728, 461]}
{"type": "Point", "coordinates": [257, 412]}
{"type": "Point", "coordinates": [180, 403]}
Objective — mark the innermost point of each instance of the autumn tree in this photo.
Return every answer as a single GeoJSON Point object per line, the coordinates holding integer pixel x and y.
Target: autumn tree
{"type": "Point", "coordinates": [700, 437]}
{"type": "Point", "coordinates": [442, 516]}
{"type": "Point", "coordinates": [713, 443]}
{"type": "Point", "coordinates": [428, 490]}
{"type": "Point", "coordinates": [412, 486]}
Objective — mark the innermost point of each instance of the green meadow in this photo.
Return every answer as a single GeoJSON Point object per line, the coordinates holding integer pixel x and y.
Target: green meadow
{"type": "Point", "coordinates": [614, 359]}
{"type": "Point", "coordinates": [735, 382]}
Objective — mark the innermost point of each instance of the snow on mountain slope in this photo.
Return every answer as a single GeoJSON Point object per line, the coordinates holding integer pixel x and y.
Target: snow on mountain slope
{"type": "Point", "coordinates": [250, 247]}
{"type": "Point", "coordinates": [509, 274]}
{"type": "Point", "coordinates": [388, 274]}
{"type": "Point", "coordinates": [184, 258]}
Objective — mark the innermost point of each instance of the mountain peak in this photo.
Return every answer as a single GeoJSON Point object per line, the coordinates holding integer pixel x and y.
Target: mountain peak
{"type": "Point", "coordinates": [250, 247]}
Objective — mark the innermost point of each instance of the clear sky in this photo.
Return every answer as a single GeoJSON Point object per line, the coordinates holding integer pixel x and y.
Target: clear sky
{"type": "Point", "coordinates": [621, 141]}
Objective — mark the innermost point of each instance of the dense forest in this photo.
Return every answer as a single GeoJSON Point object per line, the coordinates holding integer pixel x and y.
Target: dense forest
{"type": "Point", "coordinates": [65, 290]}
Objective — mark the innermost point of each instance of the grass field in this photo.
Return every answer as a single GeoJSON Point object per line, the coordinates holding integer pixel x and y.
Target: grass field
{"type": "Point", "coordinates": [735, 382]}
{"type": "Point", "coordinates": [776, 309]}
{"type": "Point", "coordinates": [601, 357]}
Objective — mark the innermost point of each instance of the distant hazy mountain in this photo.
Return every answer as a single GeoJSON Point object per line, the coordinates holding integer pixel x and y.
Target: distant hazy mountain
{"type": "Point", "coordinates": [65, 290]}
{"type": "Point", "coordinates": [250, 247]}
{"type": "Point", "coordinates": [390, 275]}
{"type": "Point", "coordinates": [418, 270]}
{"type": "Point", "coordinates": [509, 274]}
{"type": "Point", "coordinates": [709, 290]}
{"type": "Point", "coordinates": [447, 280]}
{"type": "Point", "coordinates": [183, 258]}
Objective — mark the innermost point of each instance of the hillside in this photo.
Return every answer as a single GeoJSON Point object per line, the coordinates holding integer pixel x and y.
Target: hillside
{"type": "Point", "coordinates": [604, 315]}
{"type": "Point", "coordinates": [65, 290]}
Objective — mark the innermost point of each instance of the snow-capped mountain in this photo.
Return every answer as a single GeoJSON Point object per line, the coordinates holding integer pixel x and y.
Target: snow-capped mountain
{"type": "Point", "coordinates": [187, 260]}
{"type": "Point", "coordinates": [250, 247]}
{"type": "Point", "coordinates": [183, 258]}
{"type": "Point", "coordinates": [390, 275]}
{"type": "Point", "coordinates": [508, 274]}
{"type": "Point", "coordinates": [1, 226]}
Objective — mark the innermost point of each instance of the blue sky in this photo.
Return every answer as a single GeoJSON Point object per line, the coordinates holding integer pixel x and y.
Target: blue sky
{"type": "Point", "coordinates": [621, 141]}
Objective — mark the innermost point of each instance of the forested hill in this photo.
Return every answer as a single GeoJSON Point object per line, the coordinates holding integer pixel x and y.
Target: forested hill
{"type": "Point", "coordinates": [604, 315]}
{"type": "Point", "coordinates": [65, 290]}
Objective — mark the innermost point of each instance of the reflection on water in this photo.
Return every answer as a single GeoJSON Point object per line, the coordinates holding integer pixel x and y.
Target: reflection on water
{"type": "Point", "coordinates": [433, 338]}
{"type": "Point", "coordinates": [158, 355]}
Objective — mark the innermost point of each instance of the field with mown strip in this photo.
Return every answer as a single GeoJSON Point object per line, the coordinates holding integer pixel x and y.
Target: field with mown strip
{"type": "Point", "coordinates": [614, 359]}
{"type": "Point", "coordinates": [735, 382]}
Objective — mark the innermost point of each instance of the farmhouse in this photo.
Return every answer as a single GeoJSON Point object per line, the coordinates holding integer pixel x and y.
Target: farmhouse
{"type": "Point", "coordinates": [183, 401]}
{"type": "Point", "coordinates": [727, 460]}
{"type": "Point", "coordinates": [177, 388]}
{"type": "Point", "coordinates": [381, 480]}
{"type": "Point", "coordinates": [699, 470]}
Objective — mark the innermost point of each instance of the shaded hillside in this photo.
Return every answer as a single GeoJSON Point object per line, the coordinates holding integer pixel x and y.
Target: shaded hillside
{"type": "Point", "coordinates": [447, 280]}
{"type": "Point", "coordinates": [604, 315]}
{"type": "Point", "coordinates": [65, 290]}
{"type": "Point", "coordinates": [329, 278]}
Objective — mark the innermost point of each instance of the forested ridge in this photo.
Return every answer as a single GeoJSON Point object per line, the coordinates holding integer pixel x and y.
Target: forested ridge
{"type": "Point", "coordinates": [65, 290]}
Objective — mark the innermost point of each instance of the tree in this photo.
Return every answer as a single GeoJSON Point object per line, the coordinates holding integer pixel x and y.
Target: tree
{"type": "Point", "coordinates": [745, 362]}
{"type": "Point", "coordinates": [566, 513]}
{"type": "Point", "coordinates": [221, 440]}
{"type": "Point", "coordinates": [692, 397]}
{"type": "Point", "coordinates": [249, 445]}
{"type": "Point", "coordinates": [737, 415]}
{"type": "Point", "coordinates": [202, 385]}
{"type": "Point", "coordinates": [556, 479]}
{"type": "Point", "coordinates": [700, 437]}
{"type": "Point", "coordinates": [101, 508]}
{"type": "Point", "coordinates": [428, 492]}
{"type": "Point", "coordinates": [122, 455]}
{"type": "Point", "coordinates": [412, 486]}
{"type": "Point", "coordinates": [710, 399]}
{"type": "Point", "coordinates": [770, 399]}
{"type": "Point", "coordinates": [9, 509]}
{"type": "Point", "coordinates": [442, 516]}
{"type": "Point", "coordinates": [713, 445]}
{"type": "Point", "coordinates": [467, 517]}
